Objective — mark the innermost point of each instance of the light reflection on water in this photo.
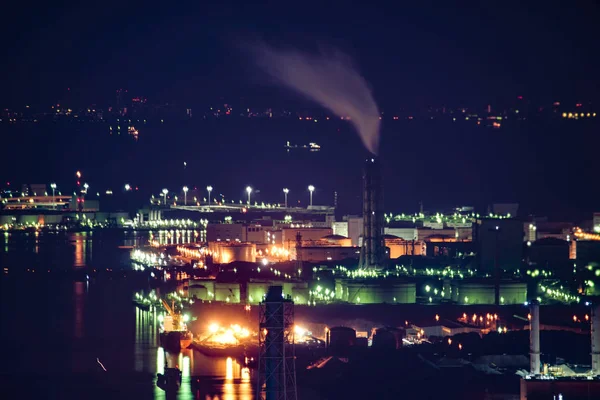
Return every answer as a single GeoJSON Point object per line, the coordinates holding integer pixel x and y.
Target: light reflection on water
{"type": "Point", "coordinates": [59, 334]}
{"type": "Point", "coordinates": [219, 378]}
{"type": "Point", "coordinates": [47, 250]}
{"type": "Point", "coordinates": [79, 291]}
{"type": "Point", "coordinates": [81, 241]}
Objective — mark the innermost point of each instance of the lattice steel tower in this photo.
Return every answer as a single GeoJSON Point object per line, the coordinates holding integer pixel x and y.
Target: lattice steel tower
{"type": "Point", "coordinates": [372, 253]}
{"type": "Point", "coordinates": [276, 361]}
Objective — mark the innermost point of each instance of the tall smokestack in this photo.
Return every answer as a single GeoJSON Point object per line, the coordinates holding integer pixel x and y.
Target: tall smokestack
{"type": "Point", "coordinates": [596, 338]}
{"type": "Point", "coordinates": [534, 338]}
{"type": "Point", "coordinates": [372, 254]}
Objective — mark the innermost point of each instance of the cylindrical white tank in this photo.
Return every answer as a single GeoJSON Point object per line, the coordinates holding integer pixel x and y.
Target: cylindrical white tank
{"type": "Point", "coordinates": [238, 252]}
{"type": "Point", "coordinates": [225, 252]}
{"type": "Point", "coordinates": [534, 338]}
{"type": "Point", "coordinates": [595, 339]}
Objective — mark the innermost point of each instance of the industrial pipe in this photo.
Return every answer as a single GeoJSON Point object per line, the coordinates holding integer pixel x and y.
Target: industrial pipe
{"type": "Point", "coordinates": [534, 338]}
{"type": "Point", "coordinates": [595, 329]}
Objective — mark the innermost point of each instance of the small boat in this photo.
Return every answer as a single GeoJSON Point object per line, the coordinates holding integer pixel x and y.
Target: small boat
{"type": "Point", "coordinates": [170, 379]}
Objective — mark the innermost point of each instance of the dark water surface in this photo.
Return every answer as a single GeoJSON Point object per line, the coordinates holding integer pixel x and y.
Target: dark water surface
{"type": "Point", "coordinates": [54, 329]}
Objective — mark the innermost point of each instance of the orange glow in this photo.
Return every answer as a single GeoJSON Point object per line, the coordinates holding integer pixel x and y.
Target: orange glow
{"type": "Point", "coordinates": [190, 252]}
{"type": "Point", "coordinates": [587, 236]}
{"type": "Point", "coordinates": [574, 318]}
{"type": "Point", "coordinates": [223, 335]}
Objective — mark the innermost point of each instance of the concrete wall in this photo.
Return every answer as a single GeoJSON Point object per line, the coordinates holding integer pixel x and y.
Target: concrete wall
{"type": "Point", "coordinates": [355, 229]}
{"type": "Point", "coordinates": [328, 253]}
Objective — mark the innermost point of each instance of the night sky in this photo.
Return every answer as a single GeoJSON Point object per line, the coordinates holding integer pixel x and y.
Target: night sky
{"type": "Point", "coordinates": [437, 53]}
{"type": "Point", "coordinates": [413, 56]}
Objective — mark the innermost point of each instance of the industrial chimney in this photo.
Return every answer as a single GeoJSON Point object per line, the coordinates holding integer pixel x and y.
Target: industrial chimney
{"type": "Point", "coordinates": [372, 253]}
{"type": "Point", "coordinates": [595, 338]}
{"type": "Point", "coordinates": [534, 338]}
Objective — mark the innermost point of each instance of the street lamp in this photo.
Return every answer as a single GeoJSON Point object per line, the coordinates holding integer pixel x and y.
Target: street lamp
{"type": "Point", "coordinates": [209, 189]}
{"type": "Point", "coordinates": [185, 190]}
{"type": "Point", "coordinates": [164, 192]}
{"type": "Point", "coordinates": [285, 193]}
{"type": "Point", "coordinates": [127, 187]}
{"type": "Point", "coordinates": [53, 186]}
{"type": "Point", "coordinates": [248, 190]}
{"type": "Point", "coordinates": [85, 188]}
{"type": "Point", "coordinates": [311, 189]}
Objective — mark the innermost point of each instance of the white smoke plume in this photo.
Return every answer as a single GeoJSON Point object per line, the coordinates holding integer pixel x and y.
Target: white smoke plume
{"type": "Point", "coordinates": [328, 78]}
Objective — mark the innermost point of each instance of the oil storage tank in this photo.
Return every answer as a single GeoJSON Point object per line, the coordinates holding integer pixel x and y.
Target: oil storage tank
{"type": "Point", "coordinates": [388, 338]}
{"type": "Point", "coordinates": [483, 292]}
{"type": "Point", "coordinates": [198, 291]}
{"type": "Point", "coordinates": [340, 340]}
{"type": "Point", "coordinates": [226, 252]}
{"type": "Point", "coordinates": [227, 292]}
{"type": "Point", "coordinates": [376, 291]}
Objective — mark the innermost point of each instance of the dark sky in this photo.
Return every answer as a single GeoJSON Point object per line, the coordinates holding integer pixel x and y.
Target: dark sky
{"type": "Point", "coordinates": [441, 52]}
{"type": "Point", "coordinates": [444, 53]}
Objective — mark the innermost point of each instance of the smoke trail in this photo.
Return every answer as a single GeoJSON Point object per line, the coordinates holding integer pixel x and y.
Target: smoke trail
{"type": "Point", "coordinates": [328, 78]}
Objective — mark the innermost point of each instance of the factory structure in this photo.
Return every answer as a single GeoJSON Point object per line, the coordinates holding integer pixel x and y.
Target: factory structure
{"type": "Point", "coordinates": [458, 257]}
{"type": "Point", "coordinates": [560, 381]}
